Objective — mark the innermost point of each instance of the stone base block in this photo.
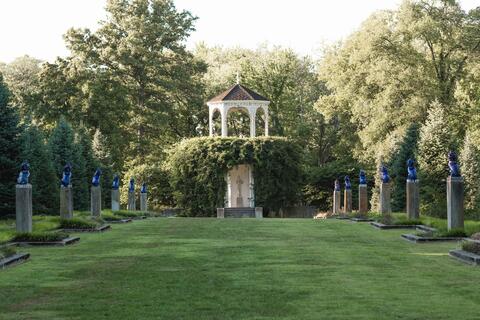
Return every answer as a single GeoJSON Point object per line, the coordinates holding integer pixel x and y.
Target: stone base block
{"type": "Point", "coordinates": [23, 207]}
{"type": "Point", "coordinates": [336, 202]}
{"type": "Point", "coordinates": [96, 201]}
{"type": "Point", "coordinates": [66, 202]}
{"type": "Point", "coordinates": [131, 205]}
{"type": "Point", "coordinates": [347, 201]}
{"type": "Point", "coordinates": [143, 202]}
{"type": "Point", "coordinates": [413, 199]}
{"type": "Point", "coordinates": [220, 213]}
{"type": "Point", "coordinates": [385, 200]}
{"type": "Point", "coordinates": [362, 199]}
{"type": "Point", "coordinates": [259, 212]}
{"type": "Point", "coordinates": [455, 202]}
{"type": "Point", "coordinates": [115, 200]}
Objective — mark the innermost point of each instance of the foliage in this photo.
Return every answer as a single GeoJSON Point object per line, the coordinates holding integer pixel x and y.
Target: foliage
{"type": "Point", "coordinates": [198, 167]}
{"type": "Point", "coordinates": [470, 166]}
{"type": "Point", "coordinates": [102, 154]}
{"type": "Point", "coordinates": [406, 150]}
{"type": "Point", "coordinates": [77, 223]}
{"type": "Point", "coordinates": [9, 151]}
{"type": "Point", "coordinates": [39, 237]}
{"type": "Point", "coordinates": [42, 173]}
{"type": "Point", "coordinates": [470, 246]}
{"type": "Point", "coordinates": [436, 140]}
{"type": "Point", "coordinates": [454, 233]}
{"type": "Point", "coordinates": [7, 251]}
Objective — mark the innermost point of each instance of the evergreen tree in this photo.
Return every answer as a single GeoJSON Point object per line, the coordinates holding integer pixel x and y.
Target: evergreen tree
{"type": "Point", "coordinates": [42, 172]}
{"type": "Point", "coordinates": [103, 156]}
{"type": "Point", "coordinates": [406, 150]}
{"type": "Point", "coordinates": [470, 164]}
{"type": "Point", "coordinates": [436, 139]}
{"type": "Point", "coordinates": [9, 151]}
{"type": "Point", "coordinates": [65, 149]}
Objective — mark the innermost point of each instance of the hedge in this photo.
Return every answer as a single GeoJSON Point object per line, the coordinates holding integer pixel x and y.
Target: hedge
{"type": "Point", "coordinates": [198, 166]}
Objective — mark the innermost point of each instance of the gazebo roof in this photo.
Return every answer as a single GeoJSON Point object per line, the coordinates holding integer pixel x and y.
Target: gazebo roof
{"type": "Point", "coordinates": [238, 93]}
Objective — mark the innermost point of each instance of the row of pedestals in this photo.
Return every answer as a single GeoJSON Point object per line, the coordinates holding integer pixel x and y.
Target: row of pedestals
{"type": "Point", "coordinates": [23, 206]}
{"type": "Point", "coordinates": [455, 214]}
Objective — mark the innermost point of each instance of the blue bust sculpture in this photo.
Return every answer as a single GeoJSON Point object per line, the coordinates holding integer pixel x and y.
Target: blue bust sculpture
{"type": "Point", "coordinates": [131, 186]}
{"type": "Point", "coordinates": [363, 177]}
{"type": "Point", "coordinates": [348, 185]}
{"type": "Point", "coordinates": [96, 178]}
{"type": "Point", "coordinates": [453, 165]}
{"type": "Point", "coordinates": [144, 188]}
{"type": "Point", "coordinates": [24, 173]}
{"type": "Point", "coordinates": [385, 177]}
{"type": "Point", "coordinates": [67, 175]}
{"type": "Point", "coordinates": [116, 182]}
{"type": "Point", "coordinates": [412, 172]}
{"type": "Point", "coordinates": [337, 185]}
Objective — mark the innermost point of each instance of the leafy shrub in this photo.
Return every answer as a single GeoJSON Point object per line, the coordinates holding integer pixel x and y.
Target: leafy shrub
{"type": "Point", "coordinates": [198, 167]}
{"type": "Point", "coordinates": [128, 214]}
{"type": "Point", "coordinates": [470, 246]}
{"type": "Point", "coordinates": [111, 217]}
{"type": "Point", "coordinates": [475, 236]}
{"type": "Point", "coordinates": [77, 223]}
{"type": "Point", "coordinates": [39, 237]}
{"type": "Point", "coordinates": [407, 222]}
{"type": "Point", "coordinates": [386, 219]}
{"type": "Point", "coordinates": [454, 233]}
{"type": "Point", "coordinates": [7, 251]}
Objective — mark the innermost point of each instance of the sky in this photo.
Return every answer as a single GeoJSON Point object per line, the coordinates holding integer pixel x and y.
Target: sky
{"type": "Point", "coordinates": [36, 27]}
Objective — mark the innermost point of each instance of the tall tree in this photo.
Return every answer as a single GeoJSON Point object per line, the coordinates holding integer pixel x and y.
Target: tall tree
{"type": "Point", "coordinates": [470, 164]}
{"type": "Point", "coordinates": [9, 151]}
{"type": "Point", "coordinates": [42, 173]}
{"type": "Point", "coordinates": [102, 154]}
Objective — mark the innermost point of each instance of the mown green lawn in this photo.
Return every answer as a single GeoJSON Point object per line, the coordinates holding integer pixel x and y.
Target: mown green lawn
{"type": "Point", "coordinates": [183, 268]}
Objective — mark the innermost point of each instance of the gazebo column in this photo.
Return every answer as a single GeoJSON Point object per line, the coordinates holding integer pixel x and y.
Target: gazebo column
{"type": "Point", "coordinates": [266, 122]}
{"type": "Point", "coordinates": [252, 123]}
{"type": "Point", "coordinates": [224, 122]}
{"type": "Point", "coordinates": [210, 122]}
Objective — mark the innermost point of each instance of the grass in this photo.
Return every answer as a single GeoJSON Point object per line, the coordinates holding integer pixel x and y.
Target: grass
{"type": "Point", "coordinates": [188, 268]}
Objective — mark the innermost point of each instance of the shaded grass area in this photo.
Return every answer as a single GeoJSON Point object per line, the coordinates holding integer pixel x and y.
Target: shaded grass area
{"type": "Point", "coordinates": [241, 269]}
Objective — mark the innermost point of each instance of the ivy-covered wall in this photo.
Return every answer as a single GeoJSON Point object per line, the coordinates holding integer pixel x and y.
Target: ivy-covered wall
{"type": "Point", "coordinates": [198, 167]}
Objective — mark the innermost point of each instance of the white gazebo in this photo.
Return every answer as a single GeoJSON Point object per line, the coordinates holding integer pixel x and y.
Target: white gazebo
{"type": "Point", "coordinates": [240, 195]}
{"type": "Point", "coordinates": [237, 98]}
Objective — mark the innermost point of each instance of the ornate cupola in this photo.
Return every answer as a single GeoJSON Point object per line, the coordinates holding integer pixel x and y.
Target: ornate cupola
{"type": "Point", "coordinates": [234, 99]}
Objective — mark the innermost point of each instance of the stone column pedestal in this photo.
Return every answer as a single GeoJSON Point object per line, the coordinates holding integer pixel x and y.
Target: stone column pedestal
{"type": "Point", "coordinates": [115, 200]}
{"type": "Point", "coordinates": [131, 205]}
{"type": "Point", "coordinates": [362, 199]}
{"type": "Point", "coordinates": [413, 199]}
{"type": "Point", "coordinates": [220, 213]}
{"type": "Point", "coordinates": [336, 202]}
{"type": "Point", "coordinates": [96, 201]}
{"type": "Point", "coordinates": [259, 212]}
{"type": "Point", "coordinates": [66, 202]}
{"type": "Point", "coordinates": [347, 201]}
{"type": "Point", "coordinates": [385, 201]}
{"type": "Point", "coordinates": [455, 202]}
{"type": "Point", "coordinates": [143, 202]}
{"type": "Point", "coordinates": [23, 207]}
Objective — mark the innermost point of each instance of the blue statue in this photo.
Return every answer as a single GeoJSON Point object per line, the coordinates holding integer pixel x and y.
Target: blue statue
{"type": "Point", "coordinates": [116, 182]}
{"type": "Point", "coordinates": [96, 178]}
{"type": "Point", "coordinates": [144, 188]}
{"type": "Point", "coordinates": [24, 173]}
{"type": "Point", "coordinates": [453, 165]}
{"type": "Point", "coordinates": [363, 177]}
{"type": "Point", "coordinates": [131, 187]}
{"type": "Point", "coordinates": [385, 177]}
{"type": "Point", "coordinates": [337, 185]}
{"type": "Point", "coordinates": [67, 175]}
{"type": "Point", "coordinates": [412, 172]}
{"type": "Point", "coordinates": [348, 185]}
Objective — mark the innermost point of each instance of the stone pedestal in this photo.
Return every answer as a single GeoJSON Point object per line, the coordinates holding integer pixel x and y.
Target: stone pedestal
{"type": "Point", "coordinates": [143, 202]}
{"type": "Point", "coordinates": [413, 199]}
{"type": "Point", "coordinates": [385, 201]}
{"type": "Point", "coordinates": [23, 207]}
{"type": "Point", "coordinates": [336, 202]}
{"type": "Point", "coordinates": [362, 199]}
{"type": "Point", "coordinates": [66, 202]}
{"type": "Point", "coordinates": [115, 200]}
{"type": "Point", "coordinates": [347, 201]}
{"type": "Point", "coordinates": [259, 212]}
{"type": "Point", "coordinates": [455, 202]}
{"type": "Point", "coordinates": [220, 213]}
{"type": "Point", "coordinates": [131, 205]}
{"type": "Point", "coordinates": [96, 201]}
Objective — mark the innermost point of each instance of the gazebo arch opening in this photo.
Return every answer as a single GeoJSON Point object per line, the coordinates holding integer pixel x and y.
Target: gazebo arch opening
{"type": "Point", "coordinates": [216, 122]}
{"type": "Point", "coordinates": [238, 121]}
{"type": "Point", "coordinates": [260, 120]}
